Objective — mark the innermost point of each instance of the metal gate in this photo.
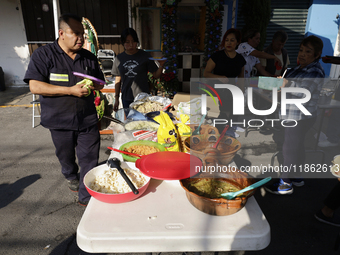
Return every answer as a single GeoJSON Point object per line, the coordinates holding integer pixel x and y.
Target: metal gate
{"type": "Point", "coordinates": [109, 18]}
{"type": "Point", "coordinates": [290, 16]}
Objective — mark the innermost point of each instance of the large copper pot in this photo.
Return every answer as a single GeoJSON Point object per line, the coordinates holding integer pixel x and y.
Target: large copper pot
{"type": "Point", "coordinates": [220, 206]}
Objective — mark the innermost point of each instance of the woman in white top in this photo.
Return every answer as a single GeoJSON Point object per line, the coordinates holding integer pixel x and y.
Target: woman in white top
{"type": "Point", "coordinates": [251, 55]}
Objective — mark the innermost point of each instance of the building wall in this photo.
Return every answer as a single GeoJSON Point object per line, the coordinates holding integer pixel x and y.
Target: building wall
{"type": "Point", "coordinates": [14, 53]}
{"type": "Point", "coordinates": [323, 23]}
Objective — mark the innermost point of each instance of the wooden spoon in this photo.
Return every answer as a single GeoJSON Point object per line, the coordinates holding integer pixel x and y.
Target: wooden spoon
{"type": "Point", "coordinates": [221, 136]}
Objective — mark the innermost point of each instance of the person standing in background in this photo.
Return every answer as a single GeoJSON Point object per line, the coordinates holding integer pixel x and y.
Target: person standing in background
{"type": "Point", "coordinates": [247, 49]}
{"type": "Point", "coordinates": [131, 68]}
{"type": "Point", "coordinates": [309, 75]}
{"type": "Point", "coordinates": [277, 49]}
{"type": "Point", "coordinates": [333, 126]}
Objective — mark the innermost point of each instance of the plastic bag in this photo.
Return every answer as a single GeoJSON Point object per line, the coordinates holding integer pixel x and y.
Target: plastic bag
{"type": "Point", "coordinates": [87, 83]}
{"type": "Point", "coordinates": [167, 134]}
{"type": "Point", "coordinates": [183, 130]}
{"type": "Point", "coordinates": [193, 107]}
{"type": "Point", "coordinates": [142, 125]}
{"type": "Point", "coordinates": [127, 114]}
{"type": "Point", "coordinates": [155, 103]}
{"type": "Point", "coordinates": [128, 136]}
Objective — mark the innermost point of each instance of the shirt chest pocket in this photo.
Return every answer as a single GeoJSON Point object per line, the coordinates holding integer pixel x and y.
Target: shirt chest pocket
{"type": "Point", "coordinates": [59, 77]}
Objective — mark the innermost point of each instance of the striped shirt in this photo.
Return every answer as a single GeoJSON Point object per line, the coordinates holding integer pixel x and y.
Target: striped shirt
{"type": "Point", "coordinates": [311, 78]}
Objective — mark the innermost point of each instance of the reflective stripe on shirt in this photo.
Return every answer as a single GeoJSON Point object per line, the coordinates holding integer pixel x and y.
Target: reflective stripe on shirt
{"type": "Point", "coordinates": [58, 77]}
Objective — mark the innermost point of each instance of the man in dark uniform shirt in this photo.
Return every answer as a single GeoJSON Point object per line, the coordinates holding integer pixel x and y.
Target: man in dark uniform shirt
{"type": "Point", "coordinates": [66, 111]}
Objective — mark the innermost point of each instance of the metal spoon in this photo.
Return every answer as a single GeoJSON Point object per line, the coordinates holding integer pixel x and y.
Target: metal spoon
{"type": "Point", "coordinates": [197, 131]}
{"type": "Point", "coordinates": [232, 195]}
{"type": "Point", "coordinates": [114, 120]}
{"type": "Point", "coordinates": [115, 163]}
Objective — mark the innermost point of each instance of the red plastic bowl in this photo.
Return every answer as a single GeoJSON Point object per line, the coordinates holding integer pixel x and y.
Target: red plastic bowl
{"type": "Point", "coordinates": [112, 198]}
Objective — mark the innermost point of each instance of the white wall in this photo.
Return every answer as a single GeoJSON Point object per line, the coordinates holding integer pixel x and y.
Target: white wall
{"type": "Point", "coordinates": [14, 53]}
{"type": "Point", "coordinates": [335, 69]}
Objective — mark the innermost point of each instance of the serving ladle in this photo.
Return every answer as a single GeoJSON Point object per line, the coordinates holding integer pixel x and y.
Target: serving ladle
{"type": "Point", "coordinates": [115, 163]}
{"type": "Point", "coordinates": [197, 130]}
{"type": "Point", "coordinates": [232, 195]}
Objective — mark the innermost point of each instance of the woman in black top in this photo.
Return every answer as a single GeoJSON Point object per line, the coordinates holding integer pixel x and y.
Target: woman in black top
{"type": "Point", "coordinates": [225, 64]}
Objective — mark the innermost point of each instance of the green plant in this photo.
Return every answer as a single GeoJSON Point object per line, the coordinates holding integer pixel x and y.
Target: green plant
{"type": "Point", "coordinates": [170, 38]}
{"type": "Point", "coordinates": [155, 84]}
{"type": "Point", "coordinates": [213, 28]}
{"type": "Point", "coordinates": [256, 14]}
{"type": "Point", "coordinates": [134, 11]}
{"type": "Point", "coordinates": [169, 83]}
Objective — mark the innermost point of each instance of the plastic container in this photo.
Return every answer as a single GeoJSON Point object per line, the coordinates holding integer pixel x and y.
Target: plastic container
{"type": "Point", "coordinates": [220, 206]}
{"type": "Point", "coordinates": [142, 142]}
{"type": "Point", "coordinates": [112, 198]}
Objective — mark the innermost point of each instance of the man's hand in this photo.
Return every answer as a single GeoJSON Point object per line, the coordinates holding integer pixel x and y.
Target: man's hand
{"type": "Point", "coordinates": [224, 80]}
{"type": "Point", "coordinates": [161, 62]}
{"type": "Point", "coordinates": [115, 106]}
{"type": "Point", "coordinates": [329, 60]}
{"type": "Point", "coordinates": [285, 81]}
{"type": "Point", "coordinates": [78, 90]}
{"type": "Point", "coordinates": [278, 61]}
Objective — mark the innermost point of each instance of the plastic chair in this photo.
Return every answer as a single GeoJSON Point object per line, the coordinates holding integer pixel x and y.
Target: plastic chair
{"type": "Point", "coordinates": [36, 103]}
{"type": "Point", "coordinates": [106, 58]}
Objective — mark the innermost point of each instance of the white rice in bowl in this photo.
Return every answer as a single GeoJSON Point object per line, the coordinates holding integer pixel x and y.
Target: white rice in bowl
{"type": "Point", "coordinates": [111, 181]}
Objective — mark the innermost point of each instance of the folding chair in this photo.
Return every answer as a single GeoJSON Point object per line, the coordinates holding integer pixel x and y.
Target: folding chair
{"type": "Point", "coordinates": [106, 58]}
{"type": "Point", "coordinates": [36, 103]}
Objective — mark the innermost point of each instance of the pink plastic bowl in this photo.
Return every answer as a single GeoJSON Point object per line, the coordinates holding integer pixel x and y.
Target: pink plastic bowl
{"type": "Point", "coordinates": [112, 198]}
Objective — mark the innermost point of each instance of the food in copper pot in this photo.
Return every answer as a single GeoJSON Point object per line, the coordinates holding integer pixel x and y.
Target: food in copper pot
{"type": "Point", "coordinates": [211, 188]}
{"type": "Point", "coordinates": [141, 149]}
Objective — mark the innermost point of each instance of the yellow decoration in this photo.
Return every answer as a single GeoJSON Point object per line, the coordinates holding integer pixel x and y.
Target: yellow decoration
{"type": "Point", "coordinates": [183, 130]}
{"type": "Point", "coordinates": [167, 134]}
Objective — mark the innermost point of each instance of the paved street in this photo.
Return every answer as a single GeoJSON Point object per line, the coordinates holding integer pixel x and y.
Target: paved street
{"type": "Point", "coordinates": [39, 215]}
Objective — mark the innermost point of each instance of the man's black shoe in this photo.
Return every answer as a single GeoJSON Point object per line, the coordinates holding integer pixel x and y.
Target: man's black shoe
{"type": "Point", "coordinates": [83, 203]}
{"type": "Point", "coordinates": [73, 185]}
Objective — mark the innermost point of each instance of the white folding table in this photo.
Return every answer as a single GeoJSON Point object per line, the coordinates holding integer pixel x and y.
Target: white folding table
{"type": "Point", "coordinates": [163, 220]}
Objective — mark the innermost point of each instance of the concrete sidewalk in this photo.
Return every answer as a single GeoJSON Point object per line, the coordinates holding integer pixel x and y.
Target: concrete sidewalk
{"type": "Point", "coordinates": [39, 215]}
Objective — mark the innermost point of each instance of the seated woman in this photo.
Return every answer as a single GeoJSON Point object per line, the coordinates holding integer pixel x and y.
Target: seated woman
{"type": "Point", "coordinates": [306, 75]}
{"type": "Point", "coordinates": [226, 63]}
{"type": "Point", "coordinates": [247, 49]}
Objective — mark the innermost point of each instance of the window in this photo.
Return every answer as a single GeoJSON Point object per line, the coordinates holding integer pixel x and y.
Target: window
{"type": "Point", "coordinates": [149, 32]}
{"type": "Point", "coordinates": [191, 28]}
